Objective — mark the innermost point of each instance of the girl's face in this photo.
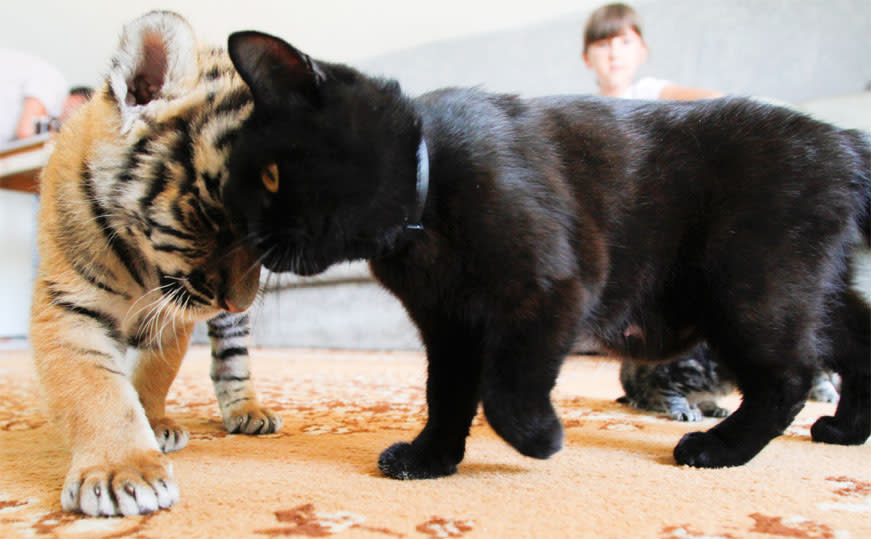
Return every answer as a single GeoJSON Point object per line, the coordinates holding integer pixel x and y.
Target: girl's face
{"type": "Point", "coordinates": [616, 60]}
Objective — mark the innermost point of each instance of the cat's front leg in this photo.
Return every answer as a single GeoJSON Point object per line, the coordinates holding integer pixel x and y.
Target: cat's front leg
{"type": "Point", "coordinates": [155, 370]}
{"type": "Point", "coordinates": [525, 352]}
{"type": "Point", "coordinates": [231, 376]}
{"type": "Point", "coordinates": [117, 467]}
{"type": "Point", "coordinates": [452, 396]}
{"type": "Point", "coordinates": [518, 377]}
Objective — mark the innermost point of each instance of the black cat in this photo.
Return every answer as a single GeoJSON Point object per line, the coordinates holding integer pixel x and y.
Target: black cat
{"type": "Point", "coordinates": [507, 227]}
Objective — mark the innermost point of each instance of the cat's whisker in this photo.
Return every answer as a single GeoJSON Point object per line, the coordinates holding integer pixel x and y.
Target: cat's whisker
{"type": "Point", "coordinates": [164, 316]}
{"type": "Point", "coordinates": [171, 315]}
{"type": "Point", "coordinates": [143, 321]}
{"type": "Point", "coordinates": [254, 266]}
{"type": "Point", "coordinates": [141, 298]}
{"type": "Point", "coordinates": [152, 320]}
{"type": "Point", "coordinates": [149, 320]}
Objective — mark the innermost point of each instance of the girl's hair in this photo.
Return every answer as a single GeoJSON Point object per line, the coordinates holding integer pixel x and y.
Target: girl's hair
{"type": "Point", "coordinates": [609, 21]}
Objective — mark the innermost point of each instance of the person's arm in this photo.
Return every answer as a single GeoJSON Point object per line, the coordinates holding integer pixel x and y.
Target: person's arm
{"type": "Point", "coordinates": [673, 91]}
{"type": "Point", "coordinates": [30, 111]}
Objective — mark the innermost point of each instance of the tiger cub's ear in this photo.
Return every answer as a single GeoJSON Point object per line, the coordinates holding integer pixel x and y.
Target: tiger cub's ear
{"type": "Point", "coordinates": [156, 58]}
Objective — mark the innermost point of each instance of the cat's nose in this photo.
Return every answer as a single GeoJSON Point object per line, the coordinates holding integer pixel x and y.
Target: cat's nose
{"type": "Point", "coordinates": [227, 305]}
{"type": "Point", "coordinates": [241, 280]}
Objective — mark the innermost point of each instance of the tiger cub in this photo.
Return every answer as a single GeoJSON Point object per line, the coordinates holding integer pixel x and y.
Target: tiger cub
{"type": "Point", "coordinates": [134, 249]}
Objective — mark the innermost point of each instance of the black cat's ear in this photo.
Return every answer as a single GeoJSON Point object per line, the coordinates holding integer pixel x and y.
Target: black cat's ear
{"type": "Point", "coordinates": [272, 68]}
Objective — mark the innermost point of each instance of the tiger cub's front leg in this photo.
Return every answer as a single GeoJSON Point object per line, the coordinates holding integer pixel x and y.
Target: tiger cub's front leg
{"type": "Point", "coordinates": [231, 376]}
{"type": "Point", "coordinates": [155, 370]}
{"type": "Point", "coordinates": [117, 466]}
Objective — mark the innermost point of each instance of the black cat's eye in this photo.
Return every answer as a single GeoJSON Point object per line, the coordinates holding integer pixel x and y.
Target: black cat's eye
{"type": "Point", "coordinates": [269, 177]}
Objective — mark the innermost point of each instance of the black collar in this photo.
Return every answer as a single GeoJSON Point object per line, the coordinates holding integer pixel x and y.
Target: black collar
{"type": "Point", "coordinates": [415, 220]}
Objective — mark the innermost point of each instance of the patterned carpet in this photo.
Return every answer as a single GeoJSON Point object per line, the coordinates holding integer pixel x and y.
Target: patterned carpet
{"type": "Point", "coordinates": [318, 477]}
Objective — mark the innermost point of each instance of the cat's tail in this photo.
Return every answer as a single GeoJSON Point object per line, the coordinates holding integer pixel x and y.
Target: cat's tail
{"type": "Point", "coordinates": [860, 142]}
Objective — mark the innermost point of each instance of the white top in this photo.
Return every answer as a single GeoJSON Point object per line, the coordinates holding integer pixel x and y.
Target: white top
{"type": "Point", "coordinates": [646, 88]}
{"type": "Point", "coordinates": [23, 75]}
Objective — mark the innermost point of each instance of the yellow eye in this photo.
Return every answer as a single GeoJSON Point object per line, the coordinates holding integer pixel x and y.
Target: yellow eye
{"type": "Point", "coordinates": [270, 178]}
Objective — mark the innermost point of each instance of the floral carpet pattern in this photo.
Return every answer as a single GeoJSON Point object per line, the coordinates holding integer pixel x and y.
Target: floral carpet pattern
{"type": "Point", "coordinates": [317, 477]}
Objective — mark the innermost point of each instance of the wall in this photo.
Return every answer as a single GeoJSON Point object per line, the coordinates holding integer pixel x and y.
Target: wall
{"type": "Point", "coordinates": [17, 245]}
{"type": "Point", "coordinates": [79, 36]}
{"type": "Point", "coordinates": [790, 50]}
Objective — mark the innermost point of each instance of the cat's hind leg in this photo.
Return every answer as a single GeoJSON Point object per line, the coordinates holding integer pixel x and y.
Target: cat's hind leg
{"type": "Point", "coordinates": [452, 396]}
{"type": "Point", "coordinates": [848, 336]}
{"type": "Point", "coordinates": [773, 371]}
{"type": "Point", "coordinates": [231, 376]}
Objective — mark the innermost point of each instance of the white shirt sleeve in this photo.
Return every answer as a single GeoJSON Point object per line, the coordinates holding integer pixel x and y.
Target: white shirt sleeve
{"type": "Point", "coordinates": [24, 75]}
{"type": "Point", "coordinates": [45, 83]}
{"type": "Point", "coordinates": [646, 88]}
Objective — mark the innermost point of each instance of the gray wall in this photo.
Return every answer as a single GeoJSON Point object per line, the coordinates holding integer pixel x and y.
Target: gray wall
{"type": "Point", "coordinates": [784, 49]}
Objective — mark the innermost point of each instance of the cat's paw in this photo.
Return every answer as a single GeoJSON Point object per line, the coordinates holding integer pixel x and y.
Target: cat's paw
{"type": "Point", "coordinates": [679, 408]}
{"type": "Point", "coordinates": [688, 416]}
{"type": "Point", "coordinates": [139, 484]}
{"type": "Point", "coordinates": [707, 450]}
{"type": "Point", "coordinates": [828, 429]}
{"type": "Point", "coordinates": [536, 434]}
{"type": "Point", "coordinates": [170, 435]}
{"type": "Point", "coordinates": [251, 418]}
{"type": "Point", "coordinates": [710, 409]}
{"type": "Point", "coordinates": [537, 440]}
{"type": "Point", "coordinates": [406, 461]}
{"type": "Point", "coordinates": [686, 413]}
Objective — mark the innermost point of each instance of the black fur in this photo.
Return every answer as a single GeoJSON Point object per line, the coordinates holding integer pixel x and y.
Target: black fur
{"type": "Point", "coordinates": [726, 221]}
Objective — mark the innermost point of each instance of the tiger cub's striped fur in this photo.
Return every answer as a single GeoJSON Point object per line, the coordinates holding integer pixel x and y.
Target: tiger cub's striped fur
{"type": "Point", "coordinates": [135, 248]}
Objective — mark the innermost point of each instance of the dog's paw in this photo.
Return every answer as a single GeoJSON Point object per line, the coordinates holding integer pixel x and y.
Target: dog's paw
{"type": "Point", "coordinates": [407, 461]}
{"type": "Point", "coordinates": [170, 436]}
{"type": "Point", "coordinates": [251, 418]}
{"type": "Point", "coordinates": [139, 484]}
{"type": "Point", "coordinates": [706, 450]}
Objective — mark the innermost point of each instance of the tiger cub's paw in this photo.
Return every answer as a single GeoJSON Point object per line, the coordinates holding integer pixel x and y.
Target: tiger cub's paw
{"type": "Point", "coordinates": [138, 484]}
{"type": "Point", "coordinates": [250, 418]}
{"type": "Point", "coordinates": [170, 435]}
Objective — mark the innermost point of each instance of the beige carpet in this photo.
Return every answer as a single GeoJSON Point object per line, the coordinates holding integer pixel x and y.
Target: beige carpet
{"type": "Point", "coordinates": [318, 478]}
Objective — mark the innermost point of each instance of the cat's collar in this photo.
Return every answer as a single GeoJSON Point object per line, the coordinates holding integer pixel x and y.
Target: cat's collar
{"type": "Point", "coordinates": [415, 221]}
